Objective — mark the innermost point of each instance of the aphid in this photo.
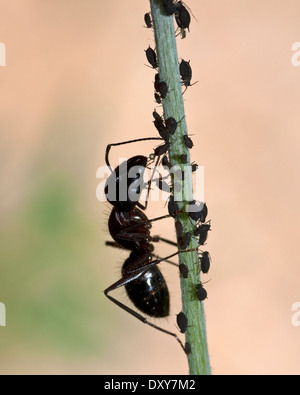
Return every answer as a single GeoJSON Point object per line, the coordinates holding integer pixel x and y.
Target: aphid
{"type": "Point", "coordinates": [182, 322]}
{"type": "Point", "coordinates": [157, 117]}
{"type": "Point", "coordinates": [162, 130]}
{"type": "Point", "coordinates": [173, 207]}
{"type": "Point", "coordinates": [157, 98]}
{"type": "Point", "coordinates": [179, 228]}
{"type": "Point", "coordinates": [161, 127]}
{"type": "Point", "coordinates": [205, 262]}
{"type": "Point", "coordinates": [184, 271]}
{"type": "Point", "coordinates": [194, 167]}
{"type": "Point", "coordinates": [202, 232]}
{"type": "Point", "coordinates": [171, 125]}
{"type": "Point", "coordinates": [162, 89]}
{"type": "Point", "coordinates": [151, 57]}
{"type": "Point", "coordinates": [183, 159]}
{"type": "Point", "coordinates": [185, 74]}
{"type": "Point", "coordinates": [147, 19]}
{"type": "Point", "coordinates": [203, 213]}
{"type": "Point", "coordinates": [160, 86]}
{"type": "Point", "coordinates": [198, 211]}
{"type": "Point", "coordinates": [188, 142]}
{"type": "Point", "coordinates": [184, 241]}
{"type": "Point", "coordinates": [182, 16]}
{"type": "Point", "coordinates": [201, 292]}
{"type": "Point", "coordinates": [156, 82]}
{"type": "Point", "coordinates": [187, 348]}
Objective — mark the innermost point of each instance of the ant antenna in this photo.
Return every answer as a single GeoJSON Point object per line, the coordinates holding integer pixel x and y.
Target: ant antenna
{"type": "Point", "coordinates": [108, 148]}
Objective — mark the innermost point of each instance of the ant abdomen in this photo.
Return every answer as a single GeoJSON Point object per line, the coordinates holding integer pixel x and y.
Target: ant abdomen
{"type": "Point", "coordinates": [149, 292]}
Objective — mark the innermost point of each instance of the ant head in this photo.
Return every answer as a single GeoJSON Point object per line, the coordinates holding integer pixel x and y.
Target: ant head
{"type": "Point", "coordinates": [124, 186]}
{"type": "Point", "coordinates": [138, 161]}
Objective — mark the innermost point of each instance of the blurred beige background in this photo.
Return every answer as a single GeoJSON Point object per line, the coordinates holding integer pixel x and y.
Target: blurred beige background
{"type": "Point", "coordinates": [75, 80]}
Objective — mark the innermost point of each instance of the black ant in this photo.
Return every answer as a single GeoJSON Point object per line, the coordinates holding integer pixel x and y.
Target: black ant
{"type": "Point", "coordinates": [130, 228]}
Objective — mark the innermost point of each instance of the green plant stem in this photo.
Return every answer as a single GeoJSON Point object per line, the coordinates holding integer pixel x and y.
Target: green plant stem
{"type": "Point", "coordinates": [173, 106]}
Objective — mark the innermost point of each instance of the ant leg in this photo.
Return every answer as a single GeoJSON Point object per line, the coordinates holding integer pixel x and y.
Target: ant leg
{"type": "Point", "coordinates": [143, 319]}
{"type": "Point", "coordinates": [127, 234]}
{"type": "Point", "coordinates": [164, 216]}
{"type": "Point", "coordinates": [183, 241]}
{"type": "Point", "coordinates": [141, 206]}
{"type": "Point", "coordinates": [170, 262]}
{"type": "Point", "coordinates": [156, 239]}
{"type": "Point", "coordinates": [133, 275]}
{"type": "Point", "coordinates": [160, 183]}
{"type": "Point", "coordinates": [141, 268]}
{"type": "Point", "coordinates": [114, 244]}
